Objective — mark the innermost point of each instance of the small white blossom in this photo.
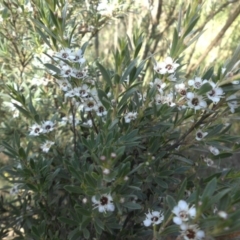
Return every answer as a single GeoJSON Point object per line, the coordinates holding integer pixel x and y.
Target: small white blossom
{"type": "Point", "coordinates": [90, 105]}
{"type": "Point", "coordinates": [232, 102]}
{"type": "Point", "coordinates": [69, 120]}
{"type": "Point", "coordinates": [79, 74]}
{"type": "Point", "coordinates": [46, 146]}
{"type": "Point", "coordinates": [82, 91]}
{"type": "Point", "coordinates": [89, 123]}
{"type": "Point", "coordinates": [105, 203]}
{"type": "Point", "coordinates": [183, 212]}
{"type": "Point", "coordinates": [35, 130]}
{"type": "Point", "coordinates": [106, 171]}
{"type": "Point", "coordinates": [71, 93]}
{"type": "Point", "coordinates": [197, 82]}
{"type": "Point", "coordinates": [191, 232]}
{"type": "Point", "coordinates": [66, 71]}
{"type": "Point", "coordinates": [130, 116]}
{"type": "Point", "coordinates": [159, 85]}
{"type": "Point", "coordinates": [200, 135]}
{"type": "Point", "coordinates": [196, 102]}
{"type": "Point", "coordinates": [101, 111]}
{"type": "Point", "coordinates": [168, 66]}
{"type": "Point", "coordinates": [214, 150]}
{"type": "Point", "coordinates": [64, 53]}
{"type": "Point", "coordinates": [76, 56]}
{"type": "Point", "coordinates": [172, 78]}
{"type": "Point", "coordinates": [64, 85]}
{"type": "Point", "coordinates": [47, 126]}
{"type": "Point", "coordinates": [181, 89]}
{"type": "Point", "coordinates": [208, 161]}
{"type": "Point", "coordinates": [14, 190]}
{"type": "Point", "coordinates": [153, 218]}
{"type": "Point", "coordinates": [223, 214]}
{"type": "Point", "coordinates": [215, 94]}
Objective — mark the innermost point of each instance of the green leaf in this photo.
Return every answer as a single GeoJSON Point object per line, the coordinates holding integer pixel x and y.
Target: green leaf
{"type": "Point", "coordinates": [73, 189]}
{"type": "Point", "coordinates": [86, 233]}
{"type": "Point", "coordinates": [170, 202]}
{"type": "Point", "coordinates": [68, 221]}
{"type": "Point", "coordinates": [82, 210]}
{"type": "Point", "coordinates": [105, 74]}
{"type": "Point", "coordinates": [132, 205]}
{"type": "Point", "coordinates": [206, 87]}
{"type": "Point", "coordinates": [182, 189]}
{"type": "Point", "coordinates": [210, 189]}
{"type": "Point", "coordinates": [53, 68]}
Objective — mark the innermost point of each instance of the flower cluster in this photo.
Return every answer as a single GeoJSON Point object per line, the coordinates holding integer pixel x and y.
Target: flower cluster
{"type": "Point", "coordinates": [183, 216]}
{"type": "Point", "coordinates": [46, 127]}
{"type": "Point", "coordinates": [82, 94]}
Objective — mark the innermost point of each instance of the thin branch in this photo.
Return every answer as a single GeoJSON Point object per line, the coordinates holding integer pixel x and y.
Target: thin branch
{"type": "Point", "coordinates": [229, 22]}
{"type": "Point", "coordinates": [73, 126]}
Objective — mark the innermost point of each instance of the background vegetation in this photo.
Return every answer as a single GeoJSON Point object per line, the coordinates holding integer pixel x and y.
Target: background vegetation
{"type": "Point", "coordinates": [54, 186]}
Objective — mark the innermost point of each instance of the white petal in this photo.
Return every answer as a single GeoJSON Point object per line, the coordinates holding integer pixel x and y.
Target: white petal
{"type": "Point", "coordinates": [190, 95]}
{"type": "Point", "coordinates": [184, 226]}
{"type": "Point", "coordinates": [110, 207]}
{"type": "Point", "coordinates": [191, 82]}
{"type": "Point", "coordinates": [177, 220]}
{"type": "Point", "coordinates": [183, 205]}
{"type": "Point", "coordinates": [200, 234]}
{"type": "Point", "coordinates": [176, 210]}
{"type": "Point", "coordinates": [147, 222]}
{"type": "Point", "coordinates": [192, 212]}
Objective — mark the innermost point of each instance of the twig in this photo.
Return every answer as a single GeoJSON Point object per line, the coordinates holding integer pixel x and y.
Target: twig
{"type": "Point", "coordinates": [229, 22]}
{"type": "Point", "coordinates": [73, 125]}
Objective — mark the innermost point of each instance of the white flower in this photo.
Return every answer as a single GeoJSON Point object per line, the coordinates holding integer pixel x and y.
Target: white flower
{"type": "Point", "coordinates": [76, 56]}
{"type": "Point", "coordinates": [169, 100]}
{"type": "Point", "coordinates": [130, 116]}
{"type": "Point", "coordinates": [82, 91]}
{"type": "Point", "coordinates": [28, 7]}
{"type": "Point", "coordinates": [183, 212]}
{"type": "Point", "coordinates": [172, 78]}
{"type": "Point", "coordinates": [64, 53]}
{"type": "Point", "coordinates": [232, 102]}
{"type": "Point", "coordinates": [159, 85]}
{"type": "Point", "coordinates": [105, 8]}
{"type": "Point", "coordinates": [197, 82]}
{"type": "Point", "coordinates": [69, 119]}
{"type": "Point", "coordinates": [181, 89]}
{"type": "Point", "coordinates": [214, 150]}
{"type": "Point", "coordinates": [195, 101]}
{"type": "Point", "coordinates": [200, 135]}
{"type": "Point", "coordinates": [39, 81]}
{"type": "Point", "coordinates": [64, 85]}
{"type": "Point", "coordinates": [105, 203]}
{"type": "Point", "coordinates": [191, 232]}
{"type": "Point", "coordinates": [46, 146]}
{"type": "Point", "coordinates": [47, 126]}
{"type": "Point", "coordinates": [89, 123]}
{"type": "Point", "coordinates": [79, 74]}
{"type": "Point", "coordinates": [101, 111]}
{"type": "Point", "coordinates": [71, 93]}
{"type": "Point", "coordinates": [14, 190]}
{"type": "Point", "coordinates": [90, 105]}
{"type": "Point", "coordinates": [168, 66]}
{"type": "Point", "coordinates": [208, 161]}
{"type": "Point", "coordinates": [36, 129]}
{"type": "Point", "coordinates": [223, 214]}
{"type": "Point", "coordinates": [215, 94]}
{"type": "Point", "coordinates": [153, 218]}
{"type": "Point", "coordinates": [66, 71]}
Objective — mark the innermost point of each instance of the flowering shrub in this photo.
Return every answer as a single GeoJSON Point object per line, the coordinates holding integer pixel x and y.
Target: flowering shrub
{"type": "Point", "coordinates": [118, 151]}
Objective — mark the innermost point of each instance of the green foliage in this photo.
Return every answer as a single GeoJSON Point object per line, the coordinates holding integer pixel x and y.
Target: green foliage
{"type": "Point", "coordinates": [97, 146]}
